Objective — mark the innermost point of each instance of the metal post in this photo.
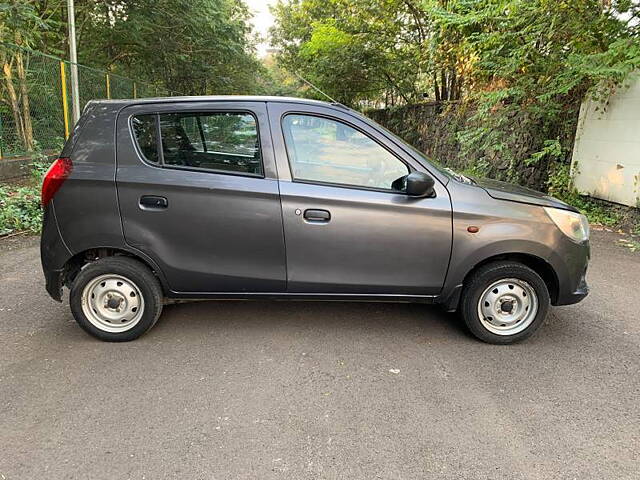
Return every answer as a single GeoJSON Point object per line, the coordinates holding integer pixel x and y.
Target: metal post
{"type": "Point", "coordinates": [75, 91]}
{"type": "Point", "coordinates": [135, 90]}
{"type": "Point", "coordinates": [65, 102]}
{"type": "Point", "coordinates": [108, 87]}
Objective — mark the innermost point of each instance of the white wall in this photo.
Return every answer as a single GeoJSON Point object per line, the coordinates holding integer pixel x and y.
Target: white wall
{"type": "Point", "coordinates": [606, 154]}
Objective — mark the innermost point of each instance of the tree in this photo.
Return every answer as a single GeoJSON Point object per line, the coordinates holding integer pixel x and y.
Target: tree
{"type": "Point", "coordinates": [189, 46]}
{"type": "Point", "coordinates": [186, 46]}
{"type": "Point", "coordinates": [355, 50]}
{"type": "Point", "coordinates": [534, 61]}
{"type": "Point", "coordinates": [524, 63]}
{"type": "Point", "coordinates": [20, 24]}
{"type": "Point", "coordinates": [390, 49]}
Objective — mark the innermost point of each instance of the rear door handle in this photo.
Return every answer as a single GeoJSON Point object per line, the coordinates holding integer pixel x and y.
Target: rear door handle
{"type": "Point", "coordinates": [153, 202]}
{"type": "Point", "coordinates": [317, 216]}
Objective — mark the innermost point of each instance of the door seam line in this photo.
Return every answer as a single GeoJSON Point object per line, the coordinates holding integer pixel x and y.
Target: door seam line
{"type": "Point", "coordinates": [284, 235]}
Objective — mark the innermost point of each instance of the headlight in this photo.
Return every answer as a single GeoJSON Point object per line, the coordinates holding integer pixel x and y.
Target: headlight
{"type": "Point", "coordinates": [573, 225]}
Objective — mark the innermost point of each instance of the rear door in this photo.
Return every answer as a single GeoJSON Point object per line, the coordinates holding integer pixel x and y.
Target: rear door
{"type": "Point", "coordinates": [347, 231]}
{"type": "Point", "coordinates": [198, 193]}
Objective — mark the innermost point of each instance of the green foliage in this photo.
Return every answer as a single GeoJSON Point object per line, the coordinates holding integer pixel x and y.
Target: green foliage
{"type": "Point", "coordinates": [187, 46]}
{"type": "Point", "coordinates": [536, 55]}
{"type": "Point", "coordinates": [38, 168]}
{"type": "Point", "coordinates": [536, 60]}
{"type": "Point", "coordinates": [597, 213]}
{"type": "Point", "coordinates": [524, 65]}
{"type": "Point", "coordinates": [194, 46]}
{"type": "Point", "coordinates": [336, 59]}
{"type": "Point", "coordinates": [551, 149]}
{"type": "Point", "coordinates": [20, 209]}
{"type": "Point", "coordinates": [20, 22]}
{"type": "Point", "coordinates": [354, 50]}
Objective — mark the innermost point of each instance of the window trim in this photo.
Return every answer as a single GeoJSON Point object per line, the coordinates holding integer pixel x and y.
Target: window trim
{"type": "Point", "coordinates": [161, 163]}
{"type": "Point", "coordinates": [410, 168]}
{"type": "Point", "coordinates": [202, 139]}
{"type": "Point", "coordinates": [158, 141]}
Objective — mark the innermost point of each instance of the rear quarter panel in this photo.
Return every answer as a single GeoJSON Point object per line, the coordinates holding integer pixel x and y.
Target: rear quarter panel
{"type": "Point", "coordinates": [86, 205]}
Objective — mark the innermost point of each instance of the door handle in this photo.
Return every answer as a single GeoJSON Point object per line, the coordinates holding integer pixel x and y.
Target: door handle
{"type": "Point", "coordinates": [153, 202]}
{"type": "Point", "coordinates": [317, 216]}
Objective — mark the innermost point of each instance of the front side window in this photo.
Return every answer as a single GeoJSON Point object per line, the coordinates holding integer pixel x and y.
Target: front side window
{"type": "Point", "coordinates": [328, 151]}
{"type": "Point", "coordinates": [217, 141]}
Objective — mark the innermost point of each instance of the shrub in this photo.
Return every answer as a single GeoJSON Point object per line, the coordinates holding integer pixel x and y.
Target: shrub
{"type": "Point", "coordinates": [20, 209]}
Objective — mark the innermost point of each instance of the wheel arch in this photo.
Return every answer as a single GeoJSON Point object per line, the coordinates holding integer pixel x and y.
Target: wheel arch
{"type": "Point", "coordinates": [536, 263]}
{"type": "Point", "coordinates": [75, 263]}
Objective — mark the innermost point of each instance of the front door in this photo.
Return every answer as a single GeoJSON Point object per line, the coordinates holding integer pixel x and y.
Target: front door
{"type": "Point", "coordinates": [198, 194]}
{"type": "Point", "coordinates": [347, 231]}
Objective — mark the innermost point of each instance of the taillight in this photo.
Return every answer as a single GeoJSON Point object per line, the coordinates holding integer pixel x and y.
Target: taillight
{"type": "Point", "coordinates": [58, 172]}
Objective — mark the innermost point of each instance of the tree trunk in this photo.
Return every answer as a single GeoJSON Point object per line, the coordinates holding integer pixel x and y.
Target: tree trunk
{"type": "Point", "coordinates": [452, 85]}
{"type": "Point", "coordinates": [24, 97]}
{"type": "Point", "coordinates": [443, 85]}
{"type": "Point", "coordinates": [13, 99]}
{"type": "Point", "coordinates": [459, 83]}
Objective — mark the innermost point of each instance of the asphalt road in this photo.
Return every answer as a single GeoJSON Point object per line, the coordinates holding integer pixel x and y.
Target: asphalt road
{"type": "Point", "coordinates": [258, 390]}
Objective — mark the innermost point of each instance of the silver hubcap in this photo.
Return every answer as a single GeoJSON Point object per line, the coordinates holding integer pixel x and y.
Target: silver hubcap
{"type": "Point", "coordinates": [112, 303]}
{"type": "Point", "coordinates": [507, 306]}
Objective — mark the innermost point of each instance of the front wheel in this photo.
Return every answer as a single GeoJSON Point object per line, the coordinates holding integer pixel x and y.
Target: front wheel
{"type": "Point", "coordinates": [504, 302]}
{"type": "Point", "coordinates": [116, 299]}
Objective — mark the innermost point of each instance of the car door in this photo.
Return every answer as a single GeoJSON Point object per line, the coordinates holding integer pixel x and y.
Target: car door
{"type": "Point", "coordinates": [347, 231]}
{"type": "Point", "coordinates": [198, 194]}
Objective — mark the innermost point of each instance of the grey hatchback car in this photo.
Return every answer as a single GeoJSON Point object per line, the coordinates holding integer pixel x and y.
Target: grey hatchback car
{"type": "Point", "coordinates": [264, 197]}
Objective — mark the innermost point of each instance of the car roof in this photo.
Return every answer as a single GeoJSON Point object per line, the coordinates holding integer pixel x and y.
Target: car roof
{"type": "Point", "coordinates": [216, 98]}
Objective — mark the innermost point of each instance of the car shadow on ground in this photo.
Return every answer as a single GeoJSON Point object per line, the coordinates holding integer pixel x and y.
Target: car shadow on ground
{"type": "Point", "coordinates": [218, 317]}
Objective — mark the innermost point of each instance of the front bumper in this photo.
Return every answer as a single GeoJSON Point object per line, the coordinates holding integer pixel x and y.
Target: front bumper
{"type": "Point", "coordinates": [571, 270]}
{"type": "Point", "coordinates": [577, 295]}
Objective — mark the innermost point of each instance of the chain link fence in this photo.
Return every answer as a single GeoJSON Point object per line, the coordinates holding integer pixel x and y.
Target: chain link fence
{"type": "Point", "coordinates": [36, 103]}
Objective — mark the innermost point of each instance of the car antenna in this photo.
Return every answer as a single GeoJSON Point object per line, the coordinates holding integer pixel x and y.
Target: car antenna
{"type": "Point", "coordinates": [333, 100]}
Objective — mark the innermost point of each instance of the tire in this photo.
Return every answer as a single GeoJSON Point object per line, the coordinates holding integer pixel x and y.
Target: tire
{"type": "Point", "coordinates": [507, 285]}
{"type": "Point", "coordinates": [116, 299]}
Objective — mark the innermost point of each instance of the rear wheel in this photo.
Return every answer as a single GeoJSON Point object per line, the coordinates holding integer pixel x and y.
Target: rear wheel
{"type": "Point", "coordinates": [504, 302]}
{"type": "Point", "coordinates": [116, 299]}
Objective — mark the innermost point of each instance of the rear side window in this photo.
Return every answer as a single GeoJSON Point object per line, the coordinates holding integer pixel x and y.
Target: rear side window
{"type": "Point", "coordinates": [146, 133]}
{"type": "Point", "coordinates": [192, 127]}
{"type": "Point", "coordinates": [215, 141]}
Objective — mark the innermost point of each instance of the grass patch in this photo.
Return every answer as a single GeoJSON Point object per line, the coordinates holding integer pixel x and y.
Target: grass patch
{"type": "Point", "coordinates": [20, 209]}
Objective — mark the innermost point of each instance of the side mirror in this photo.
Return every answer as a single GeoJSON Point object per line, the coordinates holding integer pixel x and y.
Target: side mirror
{"type": "Point", "coordinates": [419, 184]}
